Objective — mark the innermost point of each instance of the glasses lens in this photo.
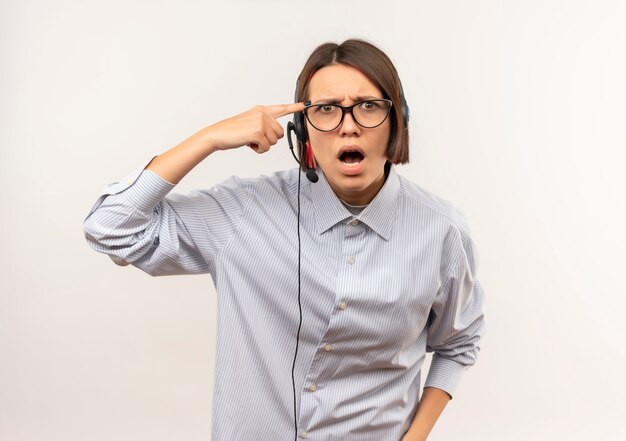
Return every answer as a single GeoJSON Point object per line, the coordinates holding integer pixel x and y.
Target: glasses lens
{"type": "Point", "coordinates": [368, 114]}
{"type": "Point", "coordinates": [324, 117]}
{"type": "Point", "coordinates": [371, 113]}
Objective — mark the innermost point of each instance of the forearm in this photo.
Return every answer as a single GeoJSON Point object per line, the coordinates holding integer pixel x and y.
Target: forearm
{"type": "Point", "coordinates": [428, 411]}
{"type": "Point", "coordinates": [257, 127]}
{"type": "Point", "coordinates": [175, 163]}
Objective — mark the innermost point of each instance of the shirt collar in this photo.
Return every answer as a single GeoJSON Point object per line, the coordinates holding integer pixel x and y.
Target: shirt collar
{"type": "Point", "coordinates": [378, 215]}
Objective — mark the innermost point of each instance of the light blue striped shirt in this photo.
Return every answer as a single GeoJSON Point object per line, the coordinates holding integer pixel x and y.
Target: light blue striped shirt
{"type": "Point", "coordinates": [379, 290]}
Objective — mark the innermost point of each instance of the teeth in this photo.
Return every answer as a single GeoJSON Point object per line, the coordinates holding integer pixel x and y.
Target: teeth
{"type": "Point", "coordinates": [351, 164]}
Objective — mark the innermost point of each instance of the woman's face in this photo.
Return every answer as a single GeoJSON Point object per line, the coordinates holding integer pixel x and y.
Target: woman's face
{"type": "Point", "coordinates": [354, 177]}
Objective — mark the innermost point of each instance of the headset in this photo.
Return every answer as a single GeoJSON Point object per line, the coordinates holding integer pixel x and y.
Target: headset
{"type": "Point", "coordinates": [298, 126]}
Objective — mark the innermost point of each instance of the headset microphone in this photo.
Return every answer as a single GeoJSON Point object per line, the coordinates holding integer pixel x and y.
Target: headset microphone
{"type": "Point", "coordinates": [311, 175]}
{"type": "Point", "coordinates": [300, 132]}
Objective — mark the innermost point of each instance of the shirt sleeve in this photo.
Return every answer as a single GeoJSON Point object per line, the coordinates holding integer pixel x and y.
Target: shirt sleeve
{"type": "Point", "coordinates": [135, 221]}
{"type": "Point", "coordinates": [456, 321]}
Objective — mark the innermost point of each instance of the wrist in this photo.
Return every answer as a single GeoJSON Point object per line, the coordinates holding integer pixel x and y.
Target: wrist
{"type": "Point", "coordinates": [205, 138]}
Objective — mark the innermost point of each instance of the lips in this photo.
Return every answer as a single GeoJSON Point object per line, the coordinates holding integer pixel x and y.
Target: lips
{"type": "Point", "coordinates": [351, 159]}
{"type": "Point", "coordinates": [351, 155]}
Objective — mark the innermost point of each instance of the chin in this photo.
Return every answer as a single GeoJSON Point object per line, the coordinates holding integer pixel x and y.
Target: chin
{"type": "Point", "coordinates": [351, 183]}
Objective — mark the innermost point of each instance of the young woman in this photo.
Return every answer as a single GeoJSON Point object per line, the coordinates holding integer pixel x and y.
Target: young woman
{"type": "Point", "coordinates": [330, 293]}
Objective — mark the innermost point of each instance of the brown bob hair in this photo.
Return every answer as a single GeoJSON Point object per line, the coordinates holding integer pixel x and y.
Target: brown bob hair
{"type": "Point", "coordinates": [377, 66]}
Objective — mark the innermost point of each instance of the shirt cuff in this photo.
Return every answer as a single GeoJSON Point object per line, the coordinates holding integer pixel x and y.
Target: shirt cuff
{"type": "Point", "coordinates": [158, 186]}
{"type": "Point", "coordinates": [445, 374]}
{"type": "Point", "coordinates": [147, 191]}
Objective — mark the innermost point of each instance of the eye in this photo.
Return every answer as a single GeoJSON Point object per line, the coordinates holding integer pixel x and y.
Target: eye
{"type": "Point", "coordinates": [321, 109]}
{"type": "Point", "coordinates": [369, 105]}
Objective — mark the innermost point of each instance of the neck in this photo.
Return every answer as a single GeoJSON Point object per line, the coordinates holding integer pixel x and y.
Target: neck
{"type": "Point", "coordinates": [362, 196]}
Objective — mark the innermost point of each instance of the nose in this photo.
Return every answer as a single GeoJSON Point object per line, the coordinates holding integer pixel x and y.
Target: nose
{"type": "Point", "coordinates": [349, 126]}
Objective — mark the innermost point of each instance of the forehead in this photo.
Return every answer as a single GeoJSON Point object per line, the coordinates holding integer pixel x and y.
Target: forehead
{"type": "Point", "coordinates": [341, 81]}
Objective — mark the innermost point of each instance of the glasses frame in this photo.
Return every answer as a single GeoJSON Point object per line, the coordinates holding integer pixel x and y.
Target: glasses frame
{"type": "Point", "coordinates": [348, 109]}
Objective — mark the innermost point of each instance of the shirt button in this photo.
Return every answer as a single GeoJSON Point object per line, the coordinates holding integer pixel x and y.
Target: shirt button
{"type": "Point", "coordinates": [313, 387]}
{"type": "Point", "coordinates": [343, 305]}
{"type": "Point", "coordinates": [304, 435]}
{"type": "Point", "coordinates": [328, 347]}
{"type": "Point", "coordinates": [354, 223]}
{"type": "Point", "coordinates": [351, 260]}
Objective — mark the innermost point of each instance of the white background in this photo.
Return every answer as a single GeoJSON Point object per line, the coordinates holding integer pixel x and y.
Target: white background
{"type": "Point", "coordinates": [518, 112]}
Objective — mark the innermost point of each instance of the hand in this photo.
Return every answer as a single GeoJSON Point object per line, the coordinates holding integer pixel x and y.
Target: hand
{"type": "Point", "coordinates": [257, 128]}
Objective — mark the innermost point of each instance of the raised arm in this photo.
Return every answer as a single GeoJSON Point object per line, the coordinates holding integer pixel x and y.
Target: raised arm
{"type": "Point", "coordinates": [256, 127]}
{"type": "Point", "coordinates": [133, 222]}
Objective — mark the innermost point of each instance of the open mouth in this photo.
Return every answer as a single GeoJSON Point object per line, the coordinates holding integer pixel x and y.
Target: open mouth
{"type": "Point", "coordinates": [351, 157]}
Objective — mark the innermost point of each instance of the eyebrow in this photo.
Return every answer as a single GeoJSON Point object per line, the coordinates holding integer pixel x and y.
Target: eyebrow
{"type": "Point", "coordinates": [337, 101]}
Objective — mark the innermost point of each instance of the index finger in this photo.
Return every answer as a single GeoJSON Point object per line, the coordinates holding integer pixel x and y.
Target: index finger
{"type": "Point", "coordinates": [279, 110]}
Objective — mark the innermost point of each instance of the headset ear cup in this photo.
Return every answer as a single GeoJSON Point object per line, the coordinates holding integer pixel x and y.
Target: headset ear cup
{"type": "Point", "coordinates": [406, 113]}
{"type": "Point", "coordinates": [299, 127]}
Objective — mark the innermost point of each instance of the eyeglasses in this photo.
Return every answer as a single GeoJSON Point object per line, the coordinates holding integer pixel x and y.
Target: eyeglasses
{"type": "Point", "coordinates": [368, 114]}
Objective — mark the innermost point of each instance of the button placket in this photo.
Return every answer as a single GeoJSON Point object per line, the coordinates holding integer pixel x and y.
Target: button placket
{"type": "Point", "coordinates": [351, 241]}
{"type": "Point", "coordinates": [326, 358]}
{"type": "Point", "coordinates": [353, 228]}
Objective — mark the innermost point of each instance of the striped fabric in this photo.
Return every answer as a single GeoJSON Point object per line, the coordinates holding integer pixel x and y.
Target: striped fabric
{"type": "Point", "coordinates": [379, 290]}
